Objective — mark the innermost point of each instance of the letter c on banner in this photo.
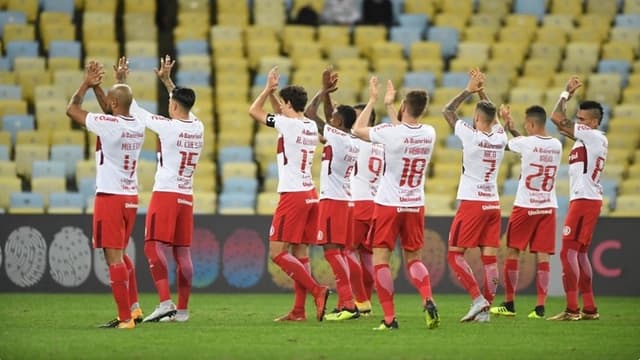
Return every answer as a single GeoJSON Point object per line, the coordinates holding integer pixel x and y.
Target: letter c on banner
{"type": "Point", "coordinates": [597, 258]}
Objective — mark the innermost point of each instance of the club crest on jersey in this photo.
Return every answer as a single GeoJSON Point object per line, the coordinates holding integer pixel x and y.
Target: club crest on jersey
{"type": "Point", "coordinates": [566, 230]}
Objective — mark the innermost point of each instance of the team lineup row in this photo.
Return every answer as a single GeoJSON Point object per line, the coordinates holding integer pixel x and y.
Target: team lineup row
{"type": "Point", "coordinates": [371, 193]}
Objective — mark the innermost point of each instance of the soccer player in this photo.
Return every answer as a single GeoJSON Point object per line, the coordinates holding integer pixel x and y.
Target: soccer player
{"type": "Point", "coordinates": [533, 220]}
{"type": "Point", "coordinates": [399, 201]}
{"type": "Point", "coordinates": [169, 220]}
{"type": "Point", "coordinates": [586, 163]}
{"type": "Point", "coordinates": [335, 209]}
{"type": "Point", "coordinates": [294, 223]}
{"type": "Point", "coordinates": [120, 138]}
{"type": "Point", "coordinates": [477, 221]}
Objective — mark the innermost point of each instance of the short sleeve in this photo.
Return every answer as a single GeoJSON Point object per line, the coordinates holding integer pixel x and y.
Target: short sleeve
{"type": "Point", "coordinates": [100, 124]}
{"type": "Point", "coordinates": [464, 131]}
{"type": "Point", "coordinates": [381, 134]}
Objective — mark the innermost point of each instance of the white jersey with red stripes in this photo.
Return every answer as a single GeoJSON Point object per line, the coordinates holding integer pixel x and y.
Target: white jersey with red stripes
{"type": "Point", "coordinates": [368, 170]}
{"type": "Point", "coordinates": [540, 161]}
{"type": "Point", "coordinates": [407, 152]}
{"type": "Point", "coordinates": [297, 140]}
{"type": "Point", "coordinates": [586, 162]}
{"type": "Point", "coordinates": [339, 156]}
{"type": "Point", "coordinates": [118, 147]}
{"type": "Point", "coordinates": [181, 143]}
{"type": "Point", "coordinates": [482, 154]}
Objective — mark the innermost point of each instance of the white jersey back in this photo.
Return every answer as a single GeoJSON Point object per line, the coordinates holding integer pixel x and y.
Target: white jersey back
{"type": "Point", "coordinates": [540, 162]}
{"type": "Point", "coordinates": [407, 151]}
{"type": "Point", "coordinates": [481, 157]}
{"type": "Point", "coordinates": [118, 147]}
{"type": "Point", "coordinates": [368, 170]}
{"type": "Point", "coordinates": [297, 140]}
{"type": "Point", "coordinates": [586, 162]}
{"type": "Point", "coordinates": [181, 143]}
{"type": "Point", "coordinates": [339, 156]}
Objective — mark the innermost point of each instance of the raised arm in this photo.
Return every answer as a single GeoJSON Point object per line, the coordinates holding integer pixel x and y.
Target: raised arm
{"type": "Point", "coordinates": [558, 116]}
{"type": "Point", "coordinates": [93, 77]}
{"type": "Point", "coordinates": [256, 110]}
{"type": "Point", "coordinates": [329, 85]}
{"type": "Point", "coordinates": [361, 128]}
{"type": "Point", "coordinates": [474, 85]}
{"type": "Point", "coordinates": [505, 113]}
{"type": "Point", "coordinates": [101, 97]}
{"type": "Point", "coordinates": [389, 98]}
{"type": "Point", "coordinates": [164, 73]}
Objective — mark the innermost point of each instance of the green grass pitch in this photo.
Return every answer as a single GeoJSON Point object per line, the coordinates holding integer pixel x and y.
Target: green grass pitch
{"type": "Point", "coordinates": [240, 326]}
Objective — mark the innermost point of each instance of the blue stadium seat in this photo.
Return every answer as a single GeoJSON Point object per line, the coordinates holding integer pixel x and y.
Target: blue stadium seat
{"type": "Point", "coordinates": [143, 63]}
{"type": "Point", "coordinates": [11, 17]}
{"type": "Point", "coordinates": [397, 9]}
{"type": "Point", "coordinates": [69, 155]}
{"type": "Point", "coordinates": [627, 20]}
{"type": "Point", "coordinates": [420, 80]}
{"type": "Point", "coordinates": [418, 21]}
{"type": "Point", "coordinates": [87, 187]}
{"type": "Point", "coordinates": [240, 185]}
{"type": "Point", "coordinates": [66, 6]}
{"type": "Point", "coordinates": [150, 106]}
{"type": "Point", "coordinates": [4, 152]}
{"type": "Point", "coordinates": [455, 79]}
{"type": "Point", "coordinates": [272, 170]}
{"type": "Point", "coordinates": [26, 200]}
{"type": "Point", "coordinates": [447, 37]}
{"type": "Point", "coordinates": [148, 155]}
{"type": "Point", "coordinates": [261, 80]}
{"type": "Point", "coordinates": [5, 63]}
{"type": "Point", "coordinates": [192, 47]}
{"type": "Point", "coordinates": [66, 200]}
{"type": "Point", "coordinates": [530, 7]}
{"type": "Point", "coordinates": [193, 78]}
{"type": "Point", "coordinates": [15, 123]}
{"type": "Point", "coordinates": [609, 188]}
{"type": "Point", "coordinates": [21, 48]}
{"type": "Point", "coordinates": [47, 168]}
{"type": "Point", "coordinates": [405, 36]}
{"type": "Point", "coordinates": [563, 171]}
{"type": "Point", "coordinates": [510, 187]}
{"type": "Point", "coordinates": [453, 142]}
{"type": "Point", "coordinates": [622, 67]}
{"type": "Point", "coordinates": [10, 92]}
{"type": "Point", "coordinates": [563, 205]}
{"type": "Point", "coordinates": [234, 154]}
{"type": "Point", "coordinates": [236, 200]}
{"type": "Point", "coordinates": [65, 48]}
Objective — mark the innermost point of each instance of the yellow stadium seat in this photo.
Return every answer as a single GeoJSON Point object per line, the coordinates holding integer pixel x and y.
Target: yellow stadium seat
{"type": "Point", "coordinates": [28, 63]}
{"type": "Point", "coordinates": [146, 171]}
{"type": "Point", "coordinates": [200, 63]}
{"type": "Point", "coordinates": [47, 185]}
{"type": "Point", "coordinates": [605, 8]}
{"type": "Point", "coordinates": [141, 48]}
{"type": "Point", "coordinates": [452, 20]}
{"type": "Point", "coordinates": [7, 168]}
{"type": "Point", "coordinates": [256, 49]}
{"type": "Point", "coordinates": [564, 21]}
{"type": "Point", "coordinates": [7, 78]}
{"type": "Point", "coordinates": [296, 34]}
{"type": "Point", "coordinates": [330, 36]}
{"type": "Point", "coordinates": [107, 49]}
{"type": "Point", "coordinates": [599, 22]}
{"type": "Point", "coordinates": [55, 32]}
{"type": "Point", "coordinates": [463, 8]}
{"type": "Point", "coordinates": [194, 18]}
{"type": "Point", "coordinates": [228, 49]}
{"type": "Point", "coordinates": [12, 107]}
{"type": "Point", "coordinates": [18, 32]}
{"type": "Point", "coordinates": [232, 138]}
{"type": "Point", "coordinates": [67, 137]}
{"type": "Point", "coordinates": [364, 36]}
{"type": "Point", "coordinates": [617, 50]}
{"type": "Point", "coordinates": [32, 137]}
{"type": "Point", "coordinates": [267, 202]}
{"type": "Point", "coordinates": [133, 22]}
{"type": "Point", "coordinates": [8, 185]}
{"type": "Point", "coordinates": [631, 95]}
{"type": "Point", "coordinates": [604, 87]}
{"type": "Point", "coordinates": [631, 7]}
{"type": "Point", "coordinates": [515, 34]}
{"type": "Point", "coordinates": [628, 35]}
{"type": "Point", "coordinates": [630, 111]}
{"type": "Point", "coordinates": [525, 21]}
{"type": "Point", "coordinates": [205, 202]}
{"type": "Point", "coordinates": [28, 7]}
{"type": "Point", "coordinates": [480, 34]}
{"type": "Point", "coordinates": [108, 6]}
{"type": "Point", "coordinates": [627, 206]}
{"type": "Point", "coordinates": [573, 8]}
{"type": "Point", "coordinates": [238, 169]}
{"type": "Point", "coordinates": [63, 63]}
{"type": "Point", "coordinates": [552, 35]}
{"type": "Point", "coordinates": [26, 154]}
{"type": "Point", "coordinates": [48, 18]}
{"type": "Point", "coordinates": [140, 6]}
{"type": "Point", "coordinates": [30, 79]}
{"type": "Point", "coordinates": [421, 7]}
{"type": "Point", "coordinates": [226, 33]}
{"type": "Point", "coordinates": [629, 186]}
{"type": "Point", "coordinates": [439, 204]}
{"type": "Point", "coordinates": [270, 184]}
{"type": "Point", "coordinates": [85, 169]}
{"type": "Point", "coordinates": [5, 139]}
{"type": "Point", "coordinates": [299, 52]}
{"type": "Point", "coordinates": [486, 19]}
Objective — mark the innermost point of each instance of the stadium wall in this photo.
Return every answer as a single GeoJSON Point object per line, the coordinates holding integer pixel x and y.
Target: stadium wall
{"type": "Point", "coordinates": [53, 253]}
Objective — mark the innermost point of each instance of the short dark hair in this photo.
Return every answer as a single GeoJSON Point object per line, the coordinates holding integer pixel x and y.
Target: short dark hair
{"type": "Point", "coordinates": [487, 108]}
{"type": "Point", "coordinates": [348, 115]}
{"type": "Point", "coordinates": [416, 101]}
{"type": "Point", "coordinates": [537, 113]}
{"type": "Point", "coordinates": [372, 117]}
{"type": "Point", "coordinates": [595, 107]}
{"type": "Point", "coordinates": [186, 97]}
{"type": "Point", "coordinates": [296, 95]}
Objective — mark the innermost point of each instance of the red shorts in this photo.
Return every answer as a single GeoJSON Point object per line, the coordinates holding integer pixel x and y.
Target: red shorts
{"type": "Point", "coordinates": [170, 218]}
{"type": "Point", "coordinates": [362, 221]}
{"type": "Point", "coordinates": [296, 218]}
{"type": "Point", "coordinates": [335, 222]}
{"type": "Point", "coordinates": [581, 221]}
{"type": "Point", "coordinates": [533, 227]}
{"type": "Point", "coordinates": [477, 223]}
{"type": "Point", "coordinates": [389, 222]}
{"type": "Point", "coordinates": [113, 219]}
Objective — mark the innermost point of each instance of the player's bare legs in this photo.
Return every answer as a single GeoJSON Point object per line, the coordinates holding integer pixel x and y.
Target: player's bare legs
{"type": "Point", "coordinates": [464, 274]}
{"type": "Point", "coordinates": [279, 253]}
{"type": "Point", "coordinates": [119, 275]}
{"type": "Point", "coordinates": [419, 277]}
{"type": "Point", "coordinates": [340, 268]}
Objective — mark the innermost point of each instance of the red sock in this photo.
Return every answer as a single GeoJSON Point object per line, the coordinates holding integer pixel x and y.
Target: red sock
{"type": "Point", "coordinates": [158, 266]}
{"type": "Point", "coordinates": [463, 272]}
{"type": "Point", "coordinates": [570, 273]}
{"type": "Point", "coordinates": [355, 275]}
{"type": "Point", "coordinates": [132, 284]}
{"type": "Point", "coordinates": [292, 267]}
{"type": "Point", "coordinates": [343, 285]}
{"type": "Point", "coordinates": [366, 261]}
{"type": "Point", "coordinates": [490, 265]}
{"type": "Point", "coordinates": [542, 282]}
{"type": "Point", "coordinates": [384, 287]}
{"type": "Point", "coordinates": [184, 269]}
{"type": "Point", "coordinates": [585, 283]}
{"type": "Point", "coordinates": [511, 274]}
{"type": "Point", "coordinates": [419, 276]}
{"type": "Point", "coordinates": [300, 292]}
{"type": "Point", "coordinates": [119, 276]}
